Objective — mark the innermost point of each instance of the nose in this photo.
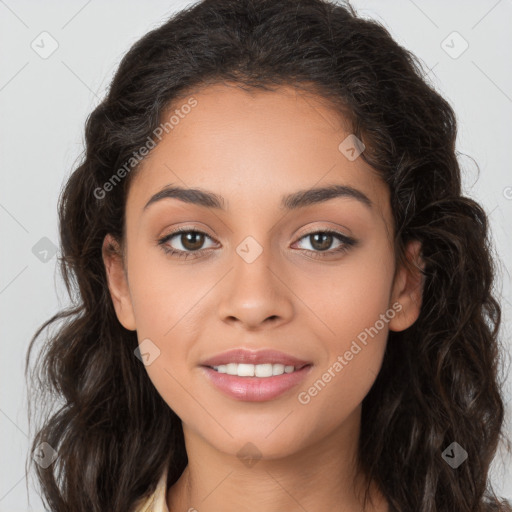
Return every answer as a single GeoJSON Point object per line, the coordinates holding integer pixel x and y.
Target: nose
{"type": "Point", "coordinates": [256, 293]}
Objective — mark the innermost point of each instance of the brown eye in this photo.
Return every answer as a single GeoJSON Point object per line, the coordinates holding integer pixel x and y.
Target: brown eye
{"type": "Point", "coordinates": [192, 240]}
{"type": "Point", "coordinates": [321, 241]}
{"type": "Point", "coordinates": [188, 241]}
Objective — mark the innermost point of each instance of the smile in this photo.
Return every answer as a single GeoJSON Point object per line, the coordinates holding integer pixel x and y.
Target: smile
{"type": "Point", "coordinates": [255, 370]}
{"type": "Point", "coordinates": [255, 383]}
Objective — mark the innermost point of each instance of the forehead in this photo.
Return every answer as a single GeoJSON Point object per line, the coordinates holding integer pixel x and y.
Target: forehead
{"type": "Point", "coordinates": [253, 147]}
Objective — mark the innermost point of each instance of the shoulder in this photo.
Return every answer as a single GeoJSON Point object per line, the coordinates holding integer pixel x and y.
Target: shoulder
{"type": "Point", "coordinates": [156, 502]}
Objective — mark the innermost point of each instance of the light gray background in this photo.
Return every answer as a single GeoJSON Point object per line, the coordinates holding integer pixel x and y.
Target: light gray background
{"type": "Point", "coordinates": [44, 104]}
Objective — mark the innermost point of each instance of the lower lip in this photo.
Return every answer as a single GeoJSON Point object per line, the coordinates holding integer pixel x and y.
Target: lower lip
{"type": "Point", "coordinates": [255, 389]}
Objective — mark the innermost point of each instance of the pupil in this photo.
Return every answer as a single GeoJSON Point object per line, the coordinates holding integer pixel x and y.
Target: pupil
{"type": "Point", "coordinates": [193, 240]}
{"type": "Point", "coordinates": [323, 246]}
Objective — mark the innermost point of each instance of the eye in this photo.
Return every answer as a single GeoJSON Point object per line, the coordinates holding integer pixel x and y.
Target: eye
{"type": "Point", "coordinates": [322, 240]}
{"type": "Point", "coordinates": [192, 240]}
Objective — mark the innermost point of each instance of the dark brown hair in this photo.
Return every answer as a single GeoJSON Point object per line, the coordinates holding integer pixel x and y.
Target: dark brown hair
{"type": "Point", "coordinates": [440, 379]}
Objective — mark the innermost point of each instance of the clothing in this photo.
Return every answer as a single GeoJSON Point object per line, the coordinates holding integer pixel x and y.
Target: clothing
{"type": "Point", "coordinates": [156, 502]}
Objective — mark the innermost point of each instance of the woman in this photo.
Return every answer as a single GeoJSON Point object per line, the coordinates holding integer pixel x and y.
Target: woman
{"type": "Point", "coordinates": [284, 301]}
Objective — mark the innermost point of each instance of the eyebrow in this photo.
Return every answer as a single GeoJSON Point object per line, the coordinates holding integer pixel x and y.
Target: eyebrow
{"type": "Point", "coordinates": [294, 201]}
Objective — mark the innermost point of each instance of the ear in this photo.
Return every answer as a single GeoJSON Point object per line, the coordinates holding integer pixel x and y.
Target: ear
{"type": "Point", "coordinates": [118, 282]}
{"type": "Point", "coordinates": [408, 288]}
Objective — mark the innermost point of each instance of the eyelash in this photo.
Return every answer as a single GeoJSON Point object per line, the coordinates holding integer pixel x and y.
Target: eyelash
{"type": "Point", "coordinates": [347, 243]}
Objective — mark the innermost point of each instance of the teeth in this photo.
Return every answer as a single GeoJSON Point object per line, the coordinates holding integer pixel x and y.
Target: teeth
{"type": "Point", "coordinates": [254, 370]}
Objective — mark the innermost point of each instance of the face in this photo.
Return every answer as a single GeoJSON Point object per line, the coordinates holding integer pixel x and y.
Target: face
{"type": "Point", "coordinates": [311, 279]}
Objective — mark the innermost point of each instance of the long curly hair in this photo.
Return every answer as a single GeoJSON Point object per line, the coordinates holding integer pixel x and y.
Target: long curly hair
{"type": "Point", "coordinates": [440, 380]}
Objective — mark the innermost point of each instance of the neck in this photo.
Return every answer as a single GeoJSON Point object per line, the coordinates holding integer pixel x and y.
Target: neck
{"type": "Point", "coordinates": [312, 479]}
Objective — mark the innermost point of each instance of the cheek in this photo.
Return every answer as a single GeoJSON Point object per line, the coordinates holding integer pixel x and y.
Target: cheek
{"type": "Point", "coordinates": [351, 296]}
{"type": "Point", "coordinates": [355, 312]}
{"type": "Point", "coordinates": [164, 294]}
{"type": "Point", "coordinates": [168, 303]}
{"type": "Point", "coordinates": [354, 356]}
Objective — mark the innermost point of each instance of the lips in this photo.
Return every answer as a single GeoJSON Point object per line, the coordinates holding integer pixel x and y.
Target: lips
{"type": "Point", "coordinates": [242, 355]}
{"type": "Point", "coordinates": [256, 389]}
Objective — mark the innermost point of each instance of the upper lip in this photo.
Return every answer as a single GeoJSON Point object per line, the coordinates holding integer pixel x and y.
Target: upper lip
{"type": "Point", "coordinates": [242, 355]}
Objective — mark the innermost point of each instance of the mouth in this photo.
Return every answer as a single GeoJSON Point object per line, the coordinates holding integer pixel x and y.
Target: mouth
{"type": "Point", "coordinates": [247, 359]}
{"type": "Point", "coordinates": [263, 370]}
{"type": "Point", "coordinates": [255, 376]}
{"type": "Point", "coordinates": [254, 383]}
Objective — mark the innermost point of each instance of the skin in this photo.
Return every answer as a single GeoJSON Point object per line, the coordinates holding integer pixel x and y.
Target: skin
{"type": "Point", "coordinates": [252, 148]}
